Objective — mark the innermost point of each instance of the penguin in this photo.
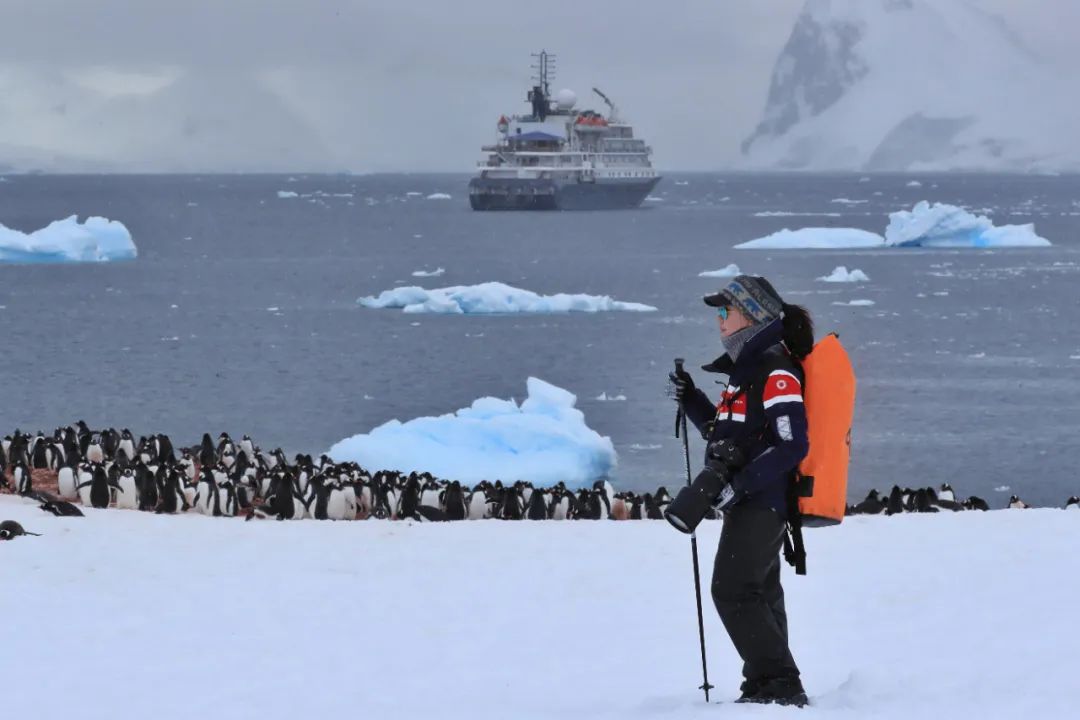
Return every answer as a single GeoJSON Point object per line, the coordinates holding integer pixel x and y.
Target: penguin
{"type": "Point", "coordinates": [247, 449]}
{"type": "Point", "coordinates": [946, 493]}
{"type": "Point", "coordinates": [922, 501]}
{"type": "Point", "coordinates": [429, 495]}
{"type": "Point", "coordinates": [536, 508]}
{"type": "Point", "coordinates": [226, 502]}
{"type": "Point", "coordinates": [207, 451]}
{"type": "Point", "coordinates": [38, 456]}
{"type": "Point", "coordinates": [187, 465]}
{"type": "Point", "coordinates": [620, 509]}
{"type": "Point", "coordinates": [976, 503]}
{"type": "Point", "coordinates": [872, 505]}
{"type": "Point", "coordinates": [336, 507]}
{"type": "Point", "coordinates": [512, 507]}
{"type": "Point", "coordinates": [410, 498]}
{"type": "Point", "coordinates": [170, 495]}
{"type": "Point", "coordinates": [126, 446]}
{"type": "Point", "coordinates": [1016, 503]}
{"type": "Point", "coordinates": [895, 503]}
{"type": "Point", "coordinates": [100, 488]}
{"type": "Point", "coordinates": [348, 491]}
{"type": "Point", "coordinates": [127, 495]}
{"type": "Point", "coordinates": [9, 530]}
{"type": "Point", "coordinates": [662, 498]}
{"type": "Point", "coordinates": [476, 505]}
{"type": "Point", "coordinates": [637, 510]}
{"type": "Point", "coordinates": [653, 509]}
{"type": "Point", "coordinates": [205, 492]}
{"type": "Point", "coordinates": [61, 508]}
{"type": "Point", "coordinates": [559, 508]}
{"type": "Point", "coordinates": [452, 499]}
{"type": "Point", "coordinates": [67, 483]}
{"type": "Point", "coordinates": [605, 494]}
{"type": "Point", "coordinates": [427, 513]}
{"type": "Point", "coordinates": [23, 478]}
{"type": "Point", "coordinates": [1072, 503]}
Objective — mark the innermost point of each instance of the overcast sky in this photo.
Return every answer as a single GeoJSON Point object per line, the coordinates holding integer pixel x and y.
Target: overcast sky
{"type": "Point", "coordinates": [408, 85]}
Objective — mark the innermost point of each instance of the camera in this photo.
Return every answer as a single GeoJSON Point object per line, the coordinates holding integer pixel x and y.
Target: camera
{"type": "Point", "coordinates": [723, 459]}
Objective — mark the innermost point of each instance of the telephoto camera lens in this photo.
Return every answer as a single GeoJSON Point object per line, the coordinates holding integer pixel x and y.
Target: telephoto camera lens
{"type": "Point", "coordinates": [688, 508]}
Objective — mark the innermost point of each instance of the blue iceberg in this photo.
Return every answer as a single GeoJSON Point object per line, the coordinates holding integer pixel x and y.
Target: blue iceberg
{"type": "Point", "coordinates": [67, 241]}
{"type": "Point", "coordinates": [542, 440]}
{"type": "Point", "coordinates": [493, 298]}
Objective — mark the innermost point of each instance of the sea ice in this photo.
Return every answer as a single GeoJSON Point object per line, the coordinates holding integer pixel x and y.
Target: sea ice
{"type": "Point", "coordinates": [438, 196]}
{"type": "Point", "coordinates": [429, 273]}
{"type": "Point", "coordinates": [96, 240]}
{"type": "Point", "coordinates": [841, 275]}
{"type": "Point", "coordinates": [855, 303]}
{"type": "Point", "coordinates": [544, 440]}
{"type": "Point", "coordinates": [604, 397]}
{"type": "Point", "coordinates": [287, 194]}
{"type": "Point", "coordinates": [493, 298]}
{"type": "Point", "coordinates": [730, 271]}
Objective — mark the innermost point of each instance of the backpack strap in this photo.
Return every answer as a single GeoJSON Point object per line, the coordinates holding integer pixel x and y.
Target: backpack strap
{"type": "Point", "coordinates": [794, 549]}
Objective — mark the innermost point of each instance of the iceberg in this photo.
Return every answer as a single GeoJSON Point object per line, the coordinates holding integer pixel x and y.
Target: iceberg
{"type": "Point", "coordinates": [543, 440]}
{"type": "Point", "coordinates": [840, 275]}
{"type": "Point", "coordinates": [948, 226]}
{"type": "Point", "coordinates": [730, 271]}
{"type": "Point", "coordinates": [815, 239]}
{"type": "Point", "coordinates": [64, 241]}
{"type": "Point", "coordinates": [925, 225]}
{"type": "Point", "coordinates": [493, 298]}
{"type": "Point", "coordinates": [438, 196]}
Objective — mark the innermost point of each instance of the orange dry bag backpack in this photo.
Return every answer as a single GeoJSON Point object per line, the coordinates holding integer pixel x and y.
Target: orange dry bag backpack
{"type": "Point", "coordinates": [819, 497]}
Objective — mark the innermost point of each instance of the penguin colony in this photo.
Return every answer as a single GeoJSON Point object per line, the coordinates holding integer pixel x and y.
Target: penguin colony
{"type": "Point", "coordinates": [103, 468]}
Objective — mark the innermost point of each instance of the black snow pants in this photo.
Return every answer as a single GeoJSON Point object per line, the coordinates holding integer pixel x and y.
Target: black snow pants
{"type": "Point", "coordinates": [747, 593]}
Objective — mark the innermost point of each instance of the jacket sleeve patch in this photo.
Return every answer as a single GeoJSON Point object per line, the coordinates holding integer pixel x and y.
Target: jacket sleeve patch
{"type": "Point", "coordinates": [781, 387]}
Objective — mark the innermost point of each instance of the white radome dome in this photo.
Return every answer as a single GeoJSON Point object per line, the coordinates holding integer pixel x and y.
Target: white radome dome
{"type": "Point", "coordinates": [565, 99]}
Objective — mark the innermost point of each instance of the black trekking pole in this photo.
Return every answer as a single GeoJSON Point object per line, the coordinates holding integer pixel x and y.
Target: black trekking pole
{"type": "Point", "coordinates": [680, 428]}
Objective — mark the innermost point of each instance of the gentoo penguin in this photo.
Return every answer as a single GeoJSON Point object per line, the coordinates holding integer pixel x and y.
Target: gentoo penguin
{"type": "Point", "coordinates": [536, 508]}
{"type": "Point", "coordinates": [620, 508]}
{"type": "Point", "coordinates": [207, 451]}
{"type": "Point", "coordinates": [225, 502]}
{"type": "Point", "coordinates": [662, 498]}
{"type": "Point", "coordinates": [127, 494]}
{"type": "Point", "coordinates": [170, 495]}
{"type": "Point", "coordinates": [513, 507]}
{"type": "Point", "coordinates": [410, 498]}
{"type": "Point", "coordinates": [247, 448]}
{"type": "Point", "coordinates": [429, 495]}
{"type": "Point", "coordinates": [146, 486]}
{"type": "Point", "coordinates": [476, 505]}
{"type": "Point", "coordinates": [336, 506]}
{"type": "Point", "coordinates": [872, 505]}
{"type": "Point", "coordinates": [1072, 503]}
{"type": "Point", "coordinates": [66, 482]}
{"type": "Point", "coordinates": [85, 476]}
{"type": "Point", "coordinates": [637, 510]}
{"type": "Point", "coordinates": [348, 491]}
{"type": "Point", "coordinates": [976, 503]}
{"type": "Point", "coordinates": [9, 529]}
{"type": "Point", "coordinates": [427, 513]}
{"type": "Point", "coordinates": [126, 446]}
{"type": "Point", "coordinates": [61, 508]}
{"type": "Point", "coordinates": [895, 503]}
{"type": "Point", "coordinates": [187, 465]}
{"type": "Point", "coordinates": [100, 488]}
{"type": "Point", "coordinates": [921, 502]}
{"type": "Point", "coordinates": [22, 478]}
{"type": "Point", "coordinates": [205, 492]}
{"type": "Point", "coordinates": [605, 493]}
{"type": "Point", "coordinates": [452, 500]}
{"type": "Point", "coordinates": [38, 457]}
{"type": "Point", "coordinates": [1016, 503]}
{"type": "Point", "coordinates": [94, 452]}
{"type": "Point", "coordinates": [653, 509]}
{"type": "Point", "coordinates": [946, 493]}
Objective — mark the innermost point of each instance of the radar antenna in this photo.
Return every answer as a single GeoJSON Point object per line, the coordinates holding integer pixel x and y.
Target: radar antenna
{"type": "Point", "coordinates": [613, 116]}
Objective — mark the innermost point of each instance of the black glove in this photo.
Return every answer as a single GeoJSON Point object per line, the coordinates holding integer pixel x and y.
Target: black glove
{"type": "Point", "coordinates": [683, 383]}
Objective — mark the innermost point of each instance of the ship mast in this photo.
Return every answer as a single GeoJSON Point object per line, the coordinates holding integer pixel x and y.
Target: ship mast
{"type": "Point", "coordinates": [543, 70]}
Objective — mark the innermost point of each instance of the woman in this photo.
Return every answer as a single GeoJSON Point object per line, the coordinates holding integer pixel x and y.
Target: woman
{"type": "Point", "coordinates": [760, 413]}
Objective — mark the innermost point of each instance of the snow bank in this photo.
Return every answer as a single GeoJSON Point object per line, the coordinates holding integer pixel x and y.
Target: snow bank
{"type": "Point", "coordinates": [730, 271]}
{"type": "Point", "coordinates": [493, 298]}
{"type": "Point", "coordinates": [438, 196]}
{"type": "Point", "coordinates": [925, 225]}
{"type": "Point", "coordinates": [543, 440]}
{"type": "Point", "coordinates": [941, 225]}
{"type": "Point", "coordinates": [96, 240]}
{"type": "Point", "coordinates": [898, 618]}
{"type": "Point", "coordinates": [815, 239]}
{"type": "Point", "coordinates": [840, 274]}
{"type": "Point", "coordinates": [429, 273]}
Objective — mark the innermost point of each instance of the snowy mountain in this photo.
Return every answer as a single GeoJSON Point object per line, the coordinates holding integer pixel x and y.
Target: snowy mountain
{"type": "Point", "coordinates": [911, 84]}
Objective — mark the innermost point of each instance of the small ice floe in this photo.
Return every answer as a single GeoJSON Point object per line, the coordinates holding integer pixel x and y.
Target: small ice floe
{"type": "Point", "coordinates": [429, 273]}
{"type": "Point", "coordinates": [841, 275]}
{"type": "Point", "coordinates": [272, 309]}
{"type": "Point", "coordinates": [726, 272]}
{"type": "Point", "coordinates": [914, 183]}
{"type": "Point", "coordinates": [638, 447]}
{"type": "Point", "coordinates": [413, 193]}
{"type": "Point", "coordinates": [864, 179]}
{"type": "Point", "coordinates": [815, 239]}
{"type": "Point", "coordinates": [855, 303]}
{"type": "Point", "coordinates": [942, 293]}
{"type": "Point", "coordinates": [193, 204]}
{"type": "Point", "coordinates": [848, 201]}
{"type": "Point", "coordinates": [654, 198]}
{"type": "Point", "coordinates": [604, 397]}
{"type": "Point", "coordinates": [1002, 488]}
{"type": "Point", "coordinates": [287, 194]}
{"type": "Point", "coordinates": [438, 196]}
{"type": "Point", "coordinates": [493, 298]}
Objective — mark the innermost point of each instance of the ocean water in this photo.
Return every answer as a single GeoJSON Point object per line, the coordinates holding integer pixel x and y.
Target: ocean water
{"type": "Point", "coordinates": [240, 315]}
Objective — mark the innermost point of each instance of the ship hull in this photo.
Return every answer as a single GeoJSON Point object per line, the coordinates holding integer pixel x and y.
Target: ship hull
{"type": "Point", "coordinates": [545, 194]}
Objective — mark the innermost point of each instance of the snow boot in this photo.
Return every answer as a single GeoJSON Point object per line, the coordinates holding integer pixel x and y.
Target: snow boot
{"type": "Point", "coordinates": [779, 691]}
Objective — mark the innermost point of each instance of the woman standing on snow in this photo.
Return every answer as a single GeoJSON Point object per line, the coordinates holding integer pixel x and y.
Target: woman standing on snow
{"type": "Point", "coordinates": [756, 436]}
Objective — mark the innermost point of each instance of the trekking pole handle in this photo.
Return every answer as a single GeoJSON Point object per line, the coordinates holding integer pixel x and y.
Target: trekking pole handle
{"type": "Point", "coordinates": [679, 364]}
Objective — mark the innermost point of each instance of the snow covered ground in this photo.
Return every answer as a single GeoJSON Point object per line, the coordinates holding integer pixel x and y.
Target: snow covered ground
{"type": "Point", "coordinates": [543, 440]}
{"type": "Point", "coordinates": [493, 298]}
{"type": "Point", "coordinates": [124, 614]}
{"type": "Point", "coordinates": [68, 240]}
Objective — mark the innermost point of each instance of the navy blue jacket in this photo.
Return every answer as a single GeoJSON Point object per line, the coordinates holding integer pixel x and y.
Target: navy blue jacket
{"type": "Point", "coordinates": [762, 411]}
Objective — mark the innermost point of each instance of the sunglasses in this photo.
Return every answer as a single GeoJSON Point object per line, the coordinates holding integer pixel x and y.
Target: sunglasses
{"type": "Point", "coordinates": [722, 312]}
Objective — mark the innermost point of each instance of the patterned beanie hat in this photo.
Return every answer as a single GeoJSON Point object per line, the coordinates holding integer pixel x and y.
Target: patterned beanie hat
{"type": "Point", "coordinates": [753, 295]}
